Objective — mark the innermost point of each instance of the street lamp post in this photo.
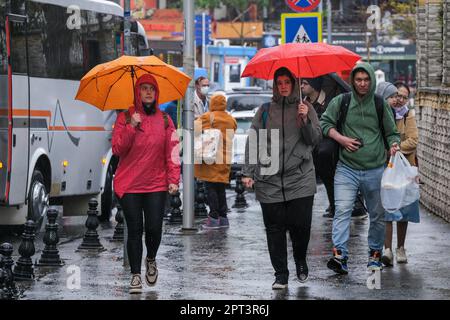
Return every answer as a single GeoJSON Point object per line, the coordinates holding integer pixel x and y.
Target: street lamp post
{"type": "Point", "coordinates": [329, 14]}
{"type": "Point", "coordinates": [188, 125]}
{"type": "Point", "coordinates": [126, 26]}
{"type": "Point", "coordinates": [127, 45]}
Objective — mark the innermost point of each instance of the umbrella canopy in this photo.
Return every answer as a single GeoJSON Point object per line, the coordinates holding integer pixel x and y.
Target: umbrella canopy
{"type": "Point", "coordinates": [110, 85]}
{"type": "Point", "coordinates": [304, 60]}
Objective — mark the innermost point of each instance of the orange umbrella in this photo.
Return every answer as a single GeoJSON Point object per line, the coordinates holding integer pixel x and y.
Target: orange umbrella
{"type": "Point", "coordinates": [110, 85]}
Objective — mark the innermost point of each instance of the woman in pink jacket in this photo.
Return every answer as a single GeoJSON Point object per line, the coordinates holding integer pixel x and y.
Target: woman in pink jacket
{"type": "Point", "coordinates": [145, 140]}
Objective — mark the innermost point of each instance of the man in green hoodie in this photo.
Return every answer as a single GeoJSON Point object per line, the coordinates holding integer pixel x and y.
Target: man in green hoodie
{"type": "Point", "coordinates": [362, 158]}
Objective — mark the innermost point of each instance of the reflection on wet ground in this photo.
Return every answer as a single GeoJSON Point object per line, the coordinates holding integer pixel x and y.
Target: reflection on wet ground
{"type": "Point", "coordinates": [234, 263]}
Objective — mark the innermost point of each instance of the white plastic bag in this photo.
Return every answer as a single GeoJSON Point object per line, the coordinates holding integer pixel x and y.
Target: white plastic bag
{"type": "Point", "coordinates": [206, 145]}
{"type": "Point", "coordinates": [399, 186]}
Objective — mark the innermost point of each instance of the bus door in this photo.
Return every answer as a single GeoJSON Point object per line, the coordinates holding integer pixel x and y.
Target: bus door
{"type": "Point", "coordinates": [18, 106]}
{"type": "Point", "coordinates": [3, 104]}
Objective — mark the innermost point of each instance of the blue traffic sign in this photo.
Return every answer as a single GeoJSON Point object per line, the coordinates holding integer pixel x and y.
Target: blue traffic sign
{"type": "Point", "coordinates": [199, 29]}
{"type": "Point", "coordinates": [301, 27]}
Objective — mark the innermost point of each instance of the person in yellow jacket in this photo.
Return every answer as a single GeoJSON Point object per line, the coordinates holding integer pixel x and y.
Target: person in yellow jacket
{"type": "Point", "coordinates": [217, 174]}
{"type": "Point", "coordinates": [397, 97]}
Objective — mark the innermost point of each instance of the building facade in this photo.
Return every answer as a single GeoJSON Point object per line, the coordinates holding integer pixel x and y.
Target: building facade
{"type": "Point", "coordinates": [433, 104]}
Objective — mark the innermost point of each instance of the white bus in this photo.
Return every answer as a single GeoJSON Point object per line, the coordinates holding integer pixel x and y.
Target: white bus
{"type": "Point", "coordinates": [52, 147]}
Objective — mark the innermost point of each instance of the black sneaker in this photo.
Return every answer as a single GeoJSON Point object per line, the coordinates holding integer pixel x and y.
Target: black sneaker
{"type": "Point", "coordinates": [279, 284]}
{"type": "Point", "coordinates": [302, 271]}
{"type": "Point", "coordinates": [374, 263]}
{"type": "Point", "coordinates": [338, 263]}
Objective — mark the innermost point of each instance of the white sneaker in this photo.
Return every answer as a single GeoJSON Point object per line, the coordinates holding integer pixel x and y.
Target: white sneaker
{"type": "Point", "coordinates": [279, 286]}
{"type": "Point", "coordinates": [387, 258]}
{"type": "Point", "coordinates": [401, 255]}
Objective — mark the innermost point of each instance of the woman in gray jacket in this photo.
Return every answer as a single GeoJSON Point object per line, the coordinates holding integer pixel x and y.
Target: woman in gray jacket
{"type": "Point", "coordinates": [285, 183]}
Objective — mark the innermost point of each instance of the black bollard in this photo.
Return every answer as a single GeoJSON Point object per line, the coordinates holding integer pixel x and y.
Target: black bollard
{"type": "Point", "coordinates": [200, 207]}
{"type": "Point", "coordinates": [240, 201]}
{"type": "Point", "coordinates": [2, 279]}
{"type": "Point", "coordinates": [175, 216]}
{"type": "Point", "coordinates": [50, 254]}
{"type": "Point", "coordinates": [24, 266]}
{"type": "Point", "coordinates": [9, 290]}
{"type": "Point", "coordinates": [119, 230]}
{"type": "Point", "coordinates": [90, 240]}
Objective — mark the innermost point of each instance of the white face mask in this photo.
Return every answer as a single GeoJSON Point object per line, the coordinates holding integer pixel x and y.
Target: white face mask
{"type": "Point", "coordinates": [204, 90]}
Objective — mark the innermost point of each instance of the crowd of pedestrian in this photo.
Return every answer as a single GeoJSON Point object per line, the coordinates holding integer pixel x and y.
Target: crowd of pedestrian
{"type": "Point", "coordinates": [344, 141]}
{"type": "Point", "coordinates": [359, 131]}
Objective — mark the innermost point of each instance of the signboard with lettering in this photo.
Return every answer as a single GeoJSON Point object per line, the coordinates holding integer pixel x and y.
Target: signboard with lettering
{"type": "Point", "coordinates": [199, 29]}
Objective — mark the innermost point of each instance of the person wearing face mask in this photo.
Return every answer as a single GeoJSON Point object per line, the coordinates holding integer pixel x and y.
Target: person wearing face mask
{"type": "Point", "coordinates": [285, 182]}
{"type": "Point", "coordinates": [145, 140]}
{"type": "Point", "coordinates": [200, 100]}
{"type": "Point", "coordinates": [398, 99]}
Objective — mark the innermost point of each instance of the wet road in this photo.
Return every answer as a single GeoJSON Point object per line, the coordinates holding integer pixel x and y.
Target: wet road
{"type": "Point", "coordinates": [234, 263]}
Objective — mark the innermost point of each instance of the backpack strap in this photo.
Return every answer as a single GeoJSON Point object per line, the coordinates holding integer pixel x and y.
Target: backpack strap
{"type": "Point", "coordinates": [265, 113]}
{"type": "Point", "coordinates": [379, 105]}
{"type": "Point", "coordinates": [343, 109]}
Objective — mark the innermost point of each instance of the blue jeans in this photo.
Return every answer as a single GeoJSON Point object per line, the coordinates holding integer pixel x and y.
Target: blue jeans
{"type": "Point", "coordinates": [347, 181]}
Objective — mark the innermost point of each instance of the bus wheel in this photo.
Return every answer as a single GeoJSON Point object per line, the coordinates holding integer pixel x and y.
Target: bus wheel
{"type": "Point", "coordinates": [107, 197]}
{"type": "Point", "coordinates": [37, 199]}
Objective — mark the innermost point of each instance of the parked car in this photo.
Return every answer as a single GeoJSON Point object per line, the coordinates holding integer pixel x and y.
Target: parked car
{"type": "Point", "coordinates": [246, 98]}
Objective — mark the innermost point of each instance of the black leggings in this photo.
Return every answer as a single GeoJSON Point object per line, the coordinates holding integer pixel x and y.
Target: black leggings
{"type": "Point", "coordinates": [293, 216]}
{"type": "Point", "coordinates": [137, 206]}
{"type": "Point", "coordinates": [217, 199]}
{"type": "Point", "coordinates": [323, 156]}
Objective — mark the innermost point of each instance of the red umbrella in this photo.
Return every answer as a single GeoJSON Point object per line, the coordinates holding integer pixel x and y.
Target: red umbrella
{"type": "Point", "coordinates": [304, 60]}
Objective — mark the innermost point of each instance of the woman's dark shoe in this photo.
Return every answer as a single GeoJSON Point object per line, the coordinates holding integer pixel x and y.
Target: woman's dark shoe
{"type": "Point", "coordinates": [136, 284]}
{"type": "Point", "coordinates": [151, 274]}
{"type": "Point", "coordinates": [279, 284]}
{"type": "Point", "coordinates": [302, 271]}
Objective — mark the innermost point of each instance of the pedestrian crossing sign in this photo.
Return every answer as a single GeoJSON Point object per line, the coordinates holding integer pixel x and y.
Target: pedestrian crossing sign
{"type": "Point", "coordinates": [301, 27]}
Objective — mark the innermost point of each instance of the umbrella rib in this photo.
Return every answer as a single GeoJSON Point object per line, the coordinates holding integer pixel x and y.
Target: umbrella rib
{"type": "Point", "coordinates": [309, 65]}
{"type": "Point", "coordinates": [161, 77]}
{"type": "Point", "coordinates": [340, 58]}
{"type": "Point", "coordinates": [271, 67]}
{"type": "Point", "coordinates": [112, 85]}
{"type": "Point", "coordinates": [97, 76]}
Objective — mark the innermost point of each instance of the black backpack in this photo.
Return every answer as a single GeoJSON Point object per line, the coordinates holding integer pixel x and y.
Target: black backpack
{"type": "Point", "coordinates": [342, 114]}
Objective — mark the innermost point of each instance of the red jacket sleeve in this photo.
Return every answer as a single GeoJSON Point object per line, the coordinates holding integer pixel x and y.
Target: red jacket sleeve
{"type": "Point", "coordinates": [123, 136]}
{"type": "Point", "coordinates": [172, 154]}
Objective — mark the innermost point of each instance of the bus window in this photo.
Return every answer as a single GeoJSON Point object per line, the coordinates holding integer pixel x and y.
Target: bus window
{"type": "Point", "coordinates": [139, 42]}
{"type": "Point", "coordinates": [143, 46]}
{"type": "Point", "coordinates": [3, 65]}
{"type": "Point", "coordinates": [74, 54]}
{"type": "Point", "coordinates": [235, 73]}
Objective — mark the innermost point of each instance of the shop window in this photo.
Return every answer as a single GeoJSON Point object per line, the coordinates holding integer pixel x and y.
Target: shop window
{"type": "Point", "coordinates": [235, 73]}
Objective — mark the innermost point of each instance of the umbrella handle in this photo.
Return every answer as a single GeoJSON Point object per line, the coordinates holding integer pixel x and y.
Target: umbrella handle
{"type": "Point", "coordinates": [132, 82]}
{"type": "Point", "coordinates": [300, 89]}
